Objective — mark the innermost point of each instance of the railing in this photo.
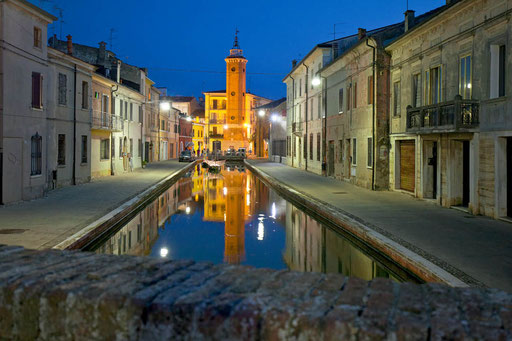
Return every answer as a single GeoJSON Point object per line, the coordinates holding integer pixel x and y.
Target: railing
{"type": "Point", "coordinates": [217, 121]}
{"type": "Point", "coordinates": [216, 136]}
{"type": "Point", "coordinates": [452, 115]}
{"type": "Point", "coordinates": [296, 127]}
{"type": "Point", "coordinates": [105, 121]}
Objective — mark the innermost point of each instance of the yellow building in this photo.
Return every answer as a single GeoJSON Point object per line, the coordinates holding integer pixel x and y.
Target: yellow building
{"type": "Point", "coordinates": [198, 134]}
{"type": "Point", "coordinates": [229, 114]}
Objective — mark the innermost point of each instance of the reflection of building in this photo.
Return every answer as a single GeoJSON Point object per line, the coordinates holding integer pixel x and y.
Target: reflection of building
{"type": "Point", "coordinates": [312, 247]}
{"type": "Point", "coordinates": [229, 113]}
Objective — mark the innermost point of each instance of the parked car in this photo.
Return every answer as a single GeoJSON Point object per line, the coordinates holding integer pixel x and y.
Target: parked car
{"type": "Point", "coordinates": [186, 156]}
{"type": "Point", "coordinates": [242, 152]}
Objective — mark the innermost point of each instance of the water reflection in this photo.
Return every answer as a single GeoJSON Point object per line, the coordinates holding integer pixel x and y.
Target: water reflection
{"type": "Point", "coordinates": [233, 217]}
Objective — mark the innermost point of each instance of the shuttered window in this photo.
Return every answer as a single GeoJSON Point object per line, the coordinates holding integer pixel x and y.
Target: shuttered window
{"type": "Point", "coordinates": [84, 149]}
{"type": "Point", "coordinates": [61, 150]}
{"type": "Point", "coordinates": [85, 95]}
{"type": "Point", "coordinates": [318, 149]}
{"type": "Point", "coordinates": [36, 148]}
{"type": "Point", "coordinates": [62, 89]}
{"type": "Point", "coordinates": [370, 89]}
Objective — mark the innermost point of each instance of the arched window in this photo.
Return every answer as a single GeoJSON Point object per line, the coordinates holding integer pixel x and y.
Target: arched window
{"type": "Point", "coordinates": [36, 144]}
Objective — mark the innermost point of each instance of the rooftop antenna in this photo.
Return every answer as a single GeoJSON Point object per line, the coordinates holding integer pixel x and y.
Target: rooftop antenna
{"type": "Point", "coordinates": [111, 38]}
{"type": "Point", "coordinates": [334, 29]}
{"type": "Point", "coordinates": [235, 44]}
{"type": "Point", "coordinates": [407, 4]}
{"type": "Point", "coordinates": [61, 18]}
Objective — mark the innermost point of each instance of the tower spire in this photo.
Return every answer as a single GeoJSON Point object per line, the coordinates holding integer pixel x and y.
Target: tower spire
{"type": "Point", "coordinates": [235, 44]}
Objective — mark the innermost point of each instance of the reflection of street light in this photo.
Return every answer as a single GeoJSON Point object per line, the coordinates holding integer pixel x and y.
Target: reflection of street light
{"type": "Point", "coordinates": [187, 210]}
{"type": "Point", "coordinates": [261, 113]}
{"type": "Point", "coordinates": [261, 230]}
{"type": "Point", "coordinates": [316, 81]}
{"type": "Point", "coordinates": [164, 252]}
{"type": "Point", "coordinates": [225, 190]}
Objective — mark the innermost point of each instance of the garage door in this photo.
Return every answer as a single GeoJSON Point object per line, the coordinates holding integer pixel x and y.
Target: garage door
{"type": "Point", "coordinates": [407, 165]}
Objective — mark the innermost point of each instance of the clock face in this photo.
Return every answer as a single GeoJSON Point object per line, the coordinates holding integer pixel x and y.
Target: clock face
{"type": "Point", "coordinates": [232, 93]}
{"type": "Point", "coordinates": [233, 69]}
{"type": "Point", "coordinates": [232, 118]}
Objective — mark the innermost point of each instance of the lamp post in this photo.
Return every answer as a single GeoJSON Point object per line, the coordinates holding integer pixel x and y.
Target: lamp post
{"type": "Point", "coordinates": [316, 81]}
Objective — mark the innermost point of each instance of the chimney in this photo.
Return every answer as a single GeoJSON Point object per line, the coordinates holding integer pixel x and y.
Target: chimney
{"type": "Point", "coordinates": [70, 45]}
{"type": "Point", "coordinates": [102, 53]}
{"type": "Point", "coordinates": [118, 71]}
{"type": "Point", "coordinates": [409, 20]}
{"type": "Point", "coordinates": [361, 33]}
{"type": "Point", "coordinates": [294, 63]}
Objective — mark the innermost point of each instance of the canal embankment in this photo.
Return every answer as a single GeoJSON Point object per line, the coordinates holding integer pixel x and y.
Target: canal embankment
{"type": "Point", "coordinates": [54, 294]}
{"type": "Point", "coordinates": [66, 215]}
{"type": "Point", "coordinates": [435, 243]}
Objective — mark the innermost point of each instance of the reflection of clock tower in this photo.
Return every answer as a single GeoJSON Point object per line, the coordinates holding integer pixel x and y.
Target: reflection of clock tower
{"type": "Point", "coordinates": [235, 92]}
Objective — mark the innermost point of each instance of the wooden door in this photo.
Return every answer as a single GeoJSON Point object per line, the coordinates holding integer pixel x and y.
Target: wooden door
{"type": "Point", "coordinates": [407, 165]}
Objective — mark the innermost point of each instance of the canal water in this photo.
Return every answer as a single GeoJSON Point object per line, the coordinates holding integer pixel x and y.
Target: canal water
{"type": "Point", "coordinates": [233, 217]}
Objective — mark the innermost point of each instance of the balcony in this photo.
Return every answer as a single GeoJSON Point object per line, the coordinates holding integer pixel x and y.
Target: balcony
{"type": "Point", "coordinates": [216, 136]}
{"type": "Point", "coordinates": [105, 121]}
{"type": "Point", "coordinates": [217, 121]}
{"type": "Point", "coordinates": [453, 116]}
{"type": "Point", "coordinates": [297, 128]}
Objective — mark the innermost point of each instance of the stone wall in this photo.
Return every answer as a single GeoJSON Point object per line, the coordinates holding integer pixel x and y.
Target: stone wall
{"type": "Point", "coordinates": [55, 295]}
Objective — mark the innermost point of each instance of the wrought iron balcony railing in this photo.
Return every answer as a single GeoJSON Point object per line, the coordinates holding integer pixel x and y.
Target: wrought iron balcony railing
{"type": "Point", "coordinates": [459, 114]}
{"type": "Point", "coordinates": [105, 121]}
{"type": "Point", "coordinates": [216, 136]}
{"type": "Point", "coordinates": [296, 127]}
{"type": "Point", "coordinates": [217, 121]}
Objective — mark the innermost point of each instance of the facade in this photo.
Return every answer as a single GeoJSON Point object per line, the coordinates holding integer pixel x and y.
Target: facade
{"type": "Point", "coordinates": [151, 124]}
{"type": "Point", "coordinates": [185, 104]}
{"type": "Point", "coordinates": [24, 91]}
{"type": "Point", "coordinates": [270, 135]}
{"type": "Point", "coordinates": [305, 108]}
{"type": "Point", "coordinates": [229, 114]}
{"type": "Point", "coordinates": [69, 158]}
{"type": "Point", "coordinates": [198, 134]}
{"type": "Point", "coordinates": [169, 129]}
{"type": "Point", "coordinates": [185, 132]}
{"type": "Point", "coordinates": [450, 124]}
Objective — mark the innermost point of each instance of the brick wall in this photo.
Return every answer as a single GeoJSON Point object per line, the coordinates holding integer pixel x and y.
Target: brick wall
{"type": "Point", "coordinates": [51, 295]}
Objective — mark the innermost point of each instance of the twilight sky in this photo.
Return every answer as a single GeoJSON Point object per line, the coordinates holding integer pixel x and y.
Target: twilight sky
{"type": "Point", "coordinates": [184, 43]}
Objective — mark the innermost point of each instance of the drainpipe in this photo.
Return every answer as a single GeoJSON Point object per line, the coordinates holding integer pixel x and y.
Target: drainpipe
{"type": "Point", "coordinates": [112, 113]}
{"type": "Point", "coordinates": [74, 129]}
{"type": "Point", "coordinates": [373, 113]}
{"type": "Point", "coordinates": [293, 118]}
{"type": "Point", "coordinates": [306, 85]}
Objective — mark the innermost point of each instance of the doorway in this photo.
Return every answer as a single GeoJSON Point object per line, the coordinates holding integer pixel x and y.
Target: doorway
{"type": "Point", "coordinates": [430, 168]}
{"type": "Point", "coordinates": [465, 173]}
{"type": "Point", "coordinates": [407, 165]}
{"type": "Point", "coordinates": [330, 159]}
{"type": "Point", "coordinates": [348, 159]}
{"type": "Point", "coordinates": [146, 151]}
{"type": "Point", "coordinates": [509, 176]}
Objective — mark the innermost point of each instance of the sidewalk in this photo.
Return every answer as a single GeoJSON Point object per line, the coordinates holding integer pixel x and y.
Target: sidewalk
{"type": "Point", "coordinates": [478, 249]}
{"type": "Point", "coordinates": [43, 223]}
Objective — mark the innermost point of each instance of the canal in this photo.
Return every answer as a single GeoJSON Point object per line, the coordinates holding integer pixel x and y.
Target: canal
{"type": "Point", "coordinates": [233, 217]}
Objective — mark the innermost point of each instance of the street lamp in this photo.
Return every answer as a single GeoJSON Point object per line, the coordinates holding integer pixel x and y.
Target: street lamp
{"type": "Point", "coordinates": [261, 113]}
{"type": "Point", "coordinates": [165, 106]}
{"type": "Point", "coordinates": [225, 126]}
{"type": "Point", "coordinates": [316, 81]}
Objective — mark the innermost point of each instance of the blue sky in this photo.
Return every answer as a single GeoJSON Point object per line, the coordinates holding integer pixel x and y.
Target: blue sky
{"type": "Point", "coordinates": [166, 36]}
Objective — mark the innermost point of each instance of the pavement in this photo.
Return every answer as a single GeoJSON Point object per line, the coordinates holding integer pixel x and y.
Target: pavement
{"type": "Point", "coordinates": [44, 223]}
{"type": "Point", "coordinates": [476, 249]}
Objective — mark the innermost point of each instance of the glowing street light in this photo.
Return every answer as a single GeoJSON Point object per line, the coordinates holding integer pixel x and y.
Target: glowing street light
{"type": "Point", "coordinates": [225, 126]}
{"type": "Point", "coordinates": [189, 118]}
{"type": "Point", "coordinates": [316, 81]}
{"type": "Point", "coordinates": [164, 252]}
{"type": "Point", "coordinates": [275, 118]}
{"type": "Point", "coordinates": [261, 113]}
{"type": "Point", "coordinates": [165, 106]}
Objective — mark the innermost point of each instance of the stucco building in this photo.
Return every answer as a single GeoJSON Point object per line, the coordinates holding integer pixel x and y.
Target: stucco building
{"type": "Point", "coordinates": [450, 124]}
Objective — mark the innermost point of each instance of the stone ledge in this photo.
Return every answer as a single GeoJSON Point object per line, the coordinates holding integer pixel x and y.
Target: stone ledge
{"type": "Point", "coordinates": [60, 295]}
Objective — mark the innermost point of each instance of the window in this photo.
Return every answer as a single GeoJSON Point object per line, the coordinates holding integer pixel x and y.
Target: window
{"type": "Point", "coordinates": [434, 81]}
{"type": "Point", "coordinates": [37, 90]}
{"type": "Point", "coordinates": [370, 152]}
{"type": "Point", "coordinates": [311, 146]}
{"type": "Point", "coordinates": [121, 108]}
{"type": "Point", "coordinates": [84, 149]}
{"type": "Point", "coordinates": [340, 101]}
{"type": "Point", "coordinates": [62, 89]}
{"type": "Point", "coordinates": [139, 148]}
{"type": "Point", "coordinates": [355, 95]}
{"type": "Point", "coordinates": [320, 106]}
{"type": "Point", "coordinates": [354, 152]}
{"type": "Point", "coordinates": [125, 110]}
{"type": "Point", "coordinates": [305, 146]}
{"type": "Point", "coordinates": [318, 150]}
{"type": "Point", "coordinates": [416, 90]}
{"type": "Point", "coordinates": [61, 150]}
{"type": "Point", "coordinates": [370, 89]}
{"type": "Point", "coordinates": [465, 77]}
{"type": "Point", "coordinates": [214, 104]}
{"type": "Point", "coordinates": [294, 146]}
{"type": "Point", "coordinates": [162, 125]}
{"type": "Point", "coordinates": [113, 147]}
{"type": "Point", "coordinates": [131, 147]}
{"type": "Point", "coordinates": [36, 147]}
{"type": "Point", "coordinates": [300, 87]}
{"type": "Point", "coordinates": [396, 99]}
{"type": "Point", "coordinates": [38, 37]}
{"type": "Point", "coordinates": [131, 111]}
{"type": "Point", "coordinates": [104, 149]}
{"type": "Point", "coordinates": [288, 145]}
{"type": "Point", "coordinates": [120, 147]}
{"type": "Point", "coordinates": [85, 95]}
{"type": "Point", "coordinates": [498, 62]}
